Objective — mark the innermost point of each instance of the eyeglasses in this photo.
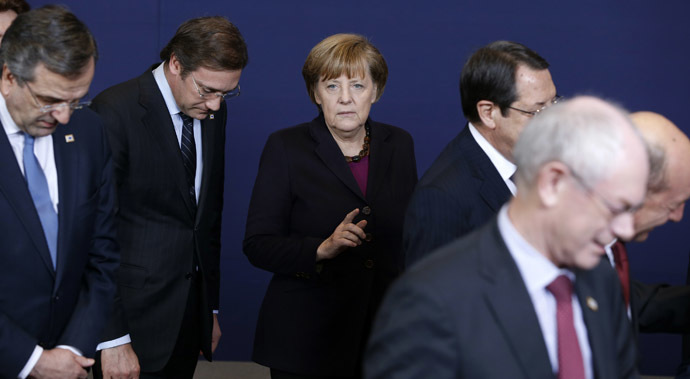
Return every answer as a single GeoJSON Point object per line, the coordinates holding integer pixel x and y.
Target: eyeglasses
{"type": "Point", "coordinates": [553, 101]}
{"type": "Point", "coordinates": [73, 105]}
{"type": "Point", "coordinates": [223, 95]}
{"type": "Point", "coordinates": [613, 210]}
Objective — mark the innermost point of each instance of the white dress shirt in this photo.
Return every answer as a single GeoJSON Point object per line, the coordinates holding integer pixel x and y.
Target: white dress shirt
{"type": "Point", "coordinates": [174, 110]}
{"type": "Point", "coordinates": [505, 167]}
{"type": "Point", "coordinates": [538, 272]}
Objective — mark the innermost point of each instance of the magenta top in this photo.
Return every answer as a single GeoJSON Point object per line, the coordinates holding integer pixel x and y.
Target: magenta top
{"type": "Point", "coordinates": [361, 171]}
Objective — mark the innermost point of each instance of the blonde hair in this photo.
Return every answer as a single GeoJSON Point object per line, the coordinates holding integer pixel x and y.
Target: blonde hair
{"type": "Point", "coordinates": [349, 54]}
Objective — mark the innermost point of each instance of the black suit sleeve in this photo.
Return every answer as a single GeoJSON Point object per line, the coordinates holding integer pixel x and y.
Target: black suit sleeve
{"type": "Point", "coordinates": [661, 308]}
{"type": "Point", "coordinates": [267, 242]}
{"type": "Point", "coordinates": [432, 220]}
{"type": "Point", "coordinates": [98, 286]}
{"type": "Point", "coordinates": [116, 325]}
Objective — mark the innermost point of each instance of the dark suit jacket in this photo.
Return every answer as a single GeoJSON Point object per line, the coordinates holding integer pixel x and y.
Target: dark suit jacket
{"type": "Point", "coordinates": [464, 312]}
{"type": "Point", "coordinates": [460, 192]}
{"type": "Point", "coordinates": [315, 317]}
{"type": "Point", "coordinates": [68, 305]}
{"type": "Point", "coordinates": [158, 229]}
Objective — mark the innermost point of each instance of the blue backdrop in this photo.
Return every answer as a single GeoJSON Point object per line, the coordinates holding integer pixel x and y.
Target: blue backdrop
{"type": "Point", "coordinates": [632, 51]}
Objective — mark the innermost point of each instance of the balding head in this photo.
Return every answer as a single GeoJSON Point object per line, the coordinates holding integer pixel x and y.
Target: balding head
{"type": "Point", "coordinates": [582, 169]}
{"type": "Point", "coordinates": [669, 184]}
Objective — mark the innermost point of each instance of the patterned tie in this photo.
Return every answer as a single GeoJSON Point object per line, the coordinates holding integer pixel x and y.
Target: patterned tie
{"type": "Point", "coordinates": [188, 148]}
{"type": "Point", "coordinates": [38, 187]}
{"type": "Point", "coordinates": [620, 260]}
{"type": "Point", "coordinates": [570, 363]}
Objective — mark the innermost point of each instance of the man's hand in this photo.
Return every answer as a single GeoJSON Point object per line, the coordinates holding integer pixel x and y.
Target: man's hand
{"type": "Point", "coordinates": [60, 363]}
{"type": "Point", "coordinates": [120, 362]}
{"type": "Point", "coordinates": [215, 336]}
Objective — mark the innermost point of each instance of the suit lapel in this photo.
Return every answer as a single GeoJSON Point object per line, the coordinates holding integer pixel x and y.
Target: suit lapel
{"type": "Point", "coordinates": [493, 189]}
{"type": "Point", "coordinates": [159, 123]}
{"type": "Point", "coordinates": [13, 187]}
{"type": "Point", "coordinates": [512, 306]}
{"type": "Point", "coordinates": [68, 166]}
{"type": "Point", "coordinates": [379, 159]}
{"type": "Point", "coordinates": [329, 152]}
{"type": "Point", "coordinates": [209, 133]}
{"type": "Point", "coordinates": [595, 327]}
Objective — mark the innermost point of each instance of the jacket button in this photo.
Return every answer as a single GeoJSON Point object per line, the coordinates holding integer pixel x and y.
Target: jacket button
{"type": "Point", "coordinates": [368, 237]}
{"type": "Point", "coordinates": [366, 210]}
{"type": "Point", "coordinates": [369, 263]}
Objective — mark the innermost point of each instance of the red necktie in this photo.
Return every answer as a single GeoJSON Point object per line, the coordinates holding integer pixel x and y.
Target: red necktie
{"type": "Point", "coordinates": [570, 363]}
{"type": "Point", "coordinates": [620, 260]}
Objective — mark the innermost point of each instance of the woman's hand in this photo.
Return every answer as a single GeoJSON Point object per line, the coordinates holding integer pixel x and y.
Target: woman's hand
{"type": "Point", "coordinates": [345, 235]}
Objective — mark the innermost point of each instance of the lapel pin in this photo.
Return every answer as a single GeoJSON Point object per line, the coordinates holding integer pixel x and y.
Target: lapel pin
{"type": "Point", "coordinates": [69, 138]}
{"type": "Point", "coordinates": [592, 304]}
{"type": "Point", "coordinates": [211, 116]}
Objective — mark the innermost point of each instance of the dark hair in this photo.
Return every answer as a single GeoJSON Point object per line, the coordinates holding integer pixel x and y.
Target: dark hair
{"type": "Point", "coordinates": [349, 54]}
{"type": "Point", "coordinates": [50, 35]}
{"type": "Point", "coordinates": [489, 74]}
{"type": "Point", "coordinates": [210, 42]}
{"type": "Point", "coordinates": [18, 6]}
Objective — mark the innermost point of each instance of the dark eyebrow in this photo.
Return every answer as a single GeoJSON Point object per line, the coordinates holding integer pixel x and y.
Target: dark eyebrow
{"type": "Point", "coordinates": [207, 88]}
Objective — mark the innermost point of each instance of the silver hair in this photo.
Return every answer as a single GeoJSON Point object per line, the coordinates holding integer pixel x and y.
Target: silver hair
{"type": "Point", "coordinates": [581, 138]}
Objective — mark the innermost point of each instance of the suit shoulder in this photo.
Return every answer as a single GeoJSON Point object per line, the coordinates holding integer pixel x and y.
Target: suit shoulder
{"type": "Point", "coordinates": [456, 262]}
{"type": "Point", "coordinates": [119, 93]}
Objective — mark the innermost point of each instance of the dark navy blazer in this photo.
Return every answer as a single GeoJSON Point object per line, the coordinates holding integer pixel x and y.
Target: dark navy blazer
{"type": "Point", "coordinates": [68, 305]}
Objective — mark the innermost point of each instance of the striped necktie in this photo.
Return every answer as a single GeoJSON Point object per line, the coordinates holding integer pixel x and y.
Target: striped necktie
{"type": "Point", "coordinates": [188, 148]}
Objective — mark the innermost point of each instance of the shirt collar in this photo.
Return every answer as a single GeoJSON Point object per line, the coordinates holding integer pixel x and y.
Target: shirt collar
{"type": "Point", "coordinates": [7, 121]}
{"type": "Point", "coordinates": [505, 167]}
{"type": "Point", "coordinates": [536, 270]}
{"type": "Point", "coordinates": [164, 87]}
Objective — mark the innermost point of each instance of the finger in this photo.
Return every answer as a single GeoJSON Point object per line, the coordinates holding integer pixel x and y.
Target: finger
{"type": "Point", "coordinates": [362, 224]}
{"type": "Point", "coordinates": [351, 216]}
{"type": "Point", "coordinates": [83, 361]}
{"type": "Point", "coordinates": [352, 238]}
{"type": "Point", "coordinates": [355, 229]}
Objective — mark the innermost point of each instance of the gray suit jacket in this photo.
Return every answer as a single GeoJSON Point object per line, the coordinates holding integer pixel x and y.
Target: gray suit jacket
{"type": "Point", "coordinates": [464, 312]}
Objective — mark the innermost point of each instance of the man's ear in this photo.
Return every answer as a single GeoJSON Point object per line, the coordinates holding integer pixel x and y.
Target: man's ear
{"type": "Point", "coordinates": [174, 65]}
{"type": "Point", "coordinates": [487, 111]}
{"type": "Point", "coordinates": [8, 80]}
{"type": "Point", "coordinates": [551, 182]}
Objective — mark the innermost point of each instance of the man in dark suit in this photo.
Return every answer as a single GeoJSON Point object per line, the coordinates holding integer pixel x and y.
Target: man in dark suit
{"type": "Point", "coordinates": [502, 86]}
{"type": "Point", "coordinates": [56, 200]}
{"type": "Point", "coordinates": [499, 303]}
{"type": "Point", "coordinates": [658, 308]}
{"type": "Point", "coordinates": [167, 131]}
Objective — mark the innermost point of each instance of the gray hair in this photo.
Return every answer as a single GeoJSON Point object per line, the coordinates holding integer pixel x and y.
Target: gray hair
{"type": "Point", "coordinates": [583, 139]}
{"type": "Point", "coordinates": [657, 168]}
{"type": "Point", "coordinates": [50, 35]}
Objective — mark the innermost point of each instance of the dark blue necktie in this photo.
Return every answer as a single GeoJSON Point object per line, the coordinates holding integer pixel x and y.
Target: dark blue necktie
{"type": "Point", "coordinates": [38, 187]}
{"type": "Point", "coordinates": [188, 148]}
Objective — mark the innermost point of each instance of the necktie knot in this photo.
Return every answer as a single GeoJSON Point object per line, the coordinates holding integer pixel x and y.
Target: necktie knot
{"type": "Point", "coordinates": [561, 288]}
{"type": "Point", "coordinates": [186, 119]}
{"type": "Point", "coordinates": [29, 140]}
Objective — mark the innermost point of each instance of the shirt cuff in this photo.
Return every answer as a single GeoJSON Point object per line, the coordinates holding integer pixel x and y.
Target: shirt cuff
{"type": "Point", "coordinates": [114, 343]}
{"type": "Point", "coordinates": [70, 348]}
{"type": "Point", "coordinates": [35, 356]}
{"type": "Point", "coordinates": [215, 311]}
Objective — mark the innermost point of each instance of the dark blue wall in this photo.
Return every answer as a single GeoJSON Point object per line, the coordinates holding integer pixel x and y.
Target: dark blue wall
{"type": "Point", "coordinates": [632, 51]}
